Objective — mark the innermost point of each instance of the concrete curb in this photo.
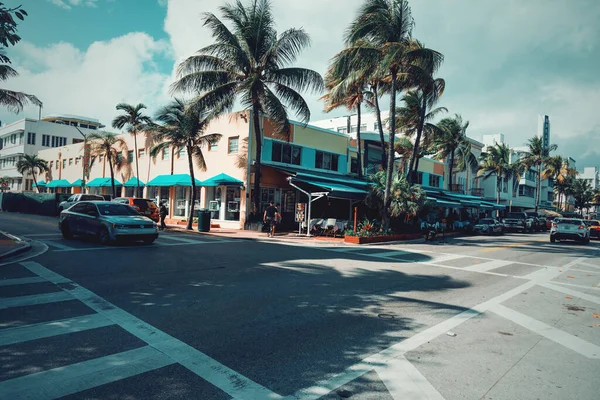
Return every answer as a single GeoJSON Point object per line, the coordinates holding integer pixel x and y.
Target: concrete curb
{"type": "Point", "coordinates": [24, 246]}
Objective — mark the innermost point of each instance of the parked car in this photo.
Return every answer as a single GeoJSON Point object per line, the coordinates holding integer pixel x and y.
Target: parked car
{"type": "Point", "coordinates": [77, 198]}
{"type": "Point", "coordinates": [549, 221]}
{"type": "Point", "coordinates": [518, 221]}
{"type": "Point", "coordinates": [538, 221]}
{"type": "Point", "coordinates": [594, 227]}
{"type": "Point", "coordinates": [569, 229]}
{"type": "Point", "coordinates": [146, 207]}
{"type": "Point", "coordinates": [489, 226]}
{"type": "Point", "coordinates": [107, 221]}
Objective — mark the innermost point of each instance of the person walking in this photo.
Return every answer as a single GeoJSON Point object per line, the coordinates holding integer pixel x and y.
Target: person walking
{"type": "Point", "coordinates": [269, 218]}
{"type": "Point", "coordinates": [163, 214]}
{"type": "Point", "coordinates": [277, 219]}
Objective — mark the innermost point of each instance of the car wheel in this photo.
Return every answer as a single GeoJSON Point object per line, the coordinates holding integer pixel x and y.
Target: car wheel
{"type": "Point", "coordinates": [103, 236]}
{"type": "Point", "coordinates": [66, 231]}
{"type": "Point", "coordinates": [149, 240]}
{"type": "Point", "coordinates": [552, 240]}
{"type": "Point", "coordinates": [586, 241]}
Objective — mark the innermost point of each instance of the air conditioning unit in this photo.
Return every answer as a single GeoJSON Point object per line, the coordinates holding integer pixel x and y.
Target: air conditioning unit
{"type": "Point", "coordinates": [233, 206]}
{"type": "Point", "coordinates": [214, 205]}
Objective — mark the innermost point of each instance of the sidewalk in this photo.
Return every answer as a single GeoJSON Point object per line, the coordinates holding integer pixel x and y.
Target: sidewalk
{"type": "Point", "coordinates": [11, 245]}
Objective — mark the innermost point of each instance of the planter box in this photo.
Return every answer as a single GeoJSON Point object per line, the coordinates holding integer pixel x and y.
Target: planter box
{"type": "Point", "coordinates": [380, 239]}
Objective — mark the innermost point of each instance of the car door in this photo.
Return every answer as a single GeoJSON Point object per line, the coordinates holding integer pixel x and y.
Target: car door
{"type": "Point", "coordinates": [92, 222]}
{"type": "Point", "coordinates": [74, 218]}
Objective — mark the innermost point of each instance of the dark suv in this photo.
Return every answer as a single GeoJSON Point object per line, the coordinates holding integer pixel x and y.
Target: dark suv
{"type": "Point", "coordinates": [518, 221]}
{"type": "Point", "coordinates": [539, 221]}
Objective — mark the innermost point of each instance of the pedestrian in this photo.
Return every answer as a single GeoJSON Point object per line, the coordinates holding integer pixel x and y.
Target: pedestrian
{"type": "Point", "coordinates": [277, 219]}
{"type": "Point", "coordinates": [269, 218]}
{"type": "Point", "coordinates": [163, 214]}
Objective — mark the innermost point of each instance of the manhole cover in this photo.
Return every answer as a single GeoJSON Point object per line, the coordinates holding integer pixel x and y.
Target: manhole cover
{"type": "Point", "coordinates": [386, 316]}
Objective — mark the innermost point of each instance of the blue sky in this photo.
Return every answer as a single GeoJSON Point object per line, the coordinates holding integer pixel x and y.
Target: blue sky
{"type": "Point", "coordinates": [505, 61]}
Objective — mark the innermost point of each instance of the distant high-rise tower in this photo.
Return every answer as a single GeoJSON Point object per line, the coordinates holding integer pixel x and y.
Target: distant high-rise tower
{"type": "Point", "coordinates": [544, 130]}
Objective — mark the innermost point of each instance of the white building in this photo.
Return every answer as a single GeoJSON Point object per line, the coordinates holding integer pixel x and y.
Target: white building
{"type": "Point", "coordinates": [349, 123]}
{"type": "Point", "coordinates": [592, 176]}
{"type": "Point", "coordinates": [28, 136]}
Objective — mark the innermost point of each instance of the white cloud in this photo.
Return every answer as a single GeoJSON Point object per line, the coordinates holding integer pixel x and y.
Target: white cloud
{"type": "Point", "coordinates": [66, 4]}
{"type": "Point", "coordinates": [93, 81]}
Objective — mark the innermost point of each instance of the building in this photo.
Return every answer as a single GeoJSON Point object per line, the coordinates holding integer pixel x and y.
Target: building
{"type": "Point", "coordinates": [349, 124]}
{"type": "Point", "coordinates": [592, 176]}
{"type": "Point", "coordinates": [29, 136]}
{"type": "Point", "coordinates": [543, 130]}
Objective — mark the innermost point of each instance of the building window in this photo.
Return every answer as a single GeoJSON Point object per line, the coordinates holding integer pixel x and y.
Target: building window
{"type": "Point", "coordinates": [233, 144]}
{"type": "Point", "coordinates": [286, 153]}
{"type": "Point", "coordinates": [434, 180]}
{"type": "Point", "coordinates": [141, 153]}
{"type": "Point", "coordinates": [342, 129]}
{"type": "Point", "coordinates": [13, 139]}
{"type": "Point", "coordinates": [328, 161]}
{"type": "Point", "coordinates": [21, 138]}
{"type": "Point", "coordinates": [130, 155]}
{"type": "Point", "coordinates": [526, 191]}
{"type": "Point", "coordinates": [70, 161]}
{"type": "Point", "coordinates": [550, 196]}
{"type": "Point", "coordinates": [53, 141]}
{"type": "Point", "coordinates": [57, 164]}
{"type": "Point", "coordinates": [31, 138]}
{"type": "Point", "coordinates": [419, 178]}
{"type": "Point", "coordinates": [353, 128]}
{"type": "Point", "coordinates": [165, 153]}
{"type": "Point", "coordinates": [64, 163]}
{"type": "Point", "coordinates": [213, 146]}
{"type": "Point", "coordinates": [353, 165]}
{"type": "Point", "coordinates": [46, 140]}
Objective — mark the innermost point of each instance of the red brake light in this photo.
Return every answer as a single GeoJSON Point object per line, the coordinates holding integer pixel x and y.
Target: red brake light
{"type": "Point", "coordinates": [581, 226]}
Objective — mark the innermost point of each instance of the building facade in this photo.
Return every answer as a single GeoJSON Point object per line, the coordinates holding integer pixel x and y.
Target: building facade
{"type": "Point", "coordinates": [349, 124]}
{"type": "Point", "coordinates": [29, 136]}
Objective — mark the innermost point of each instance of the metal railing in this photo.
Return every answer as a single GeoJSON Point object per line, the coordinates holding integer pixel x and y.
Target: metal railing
{"type": "Point", "coordinates": [477, 192]}
{"type": "Point", "coordinates": [457, 188]}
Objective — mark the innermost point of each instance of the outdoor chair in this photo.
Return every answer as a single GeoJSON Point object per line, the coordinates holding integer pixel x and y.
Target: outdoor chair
{"type": "Point", "coordinates": [329, 227]}
{"type": "Point", "coordinates": [315, 226]}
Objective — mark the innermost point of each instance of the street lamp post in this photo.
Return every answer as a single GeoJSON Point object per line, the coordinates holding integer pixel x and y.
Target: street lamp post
{"type": "Point", "coordinates": [85, 161]}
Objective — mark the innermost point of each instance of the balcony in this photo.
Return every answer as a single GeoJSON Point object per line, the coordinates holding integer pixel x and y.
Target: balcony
{"type": "Point", "coordinates": [477, 192]}
{"type": "Point", "coordinates": [457, 188]}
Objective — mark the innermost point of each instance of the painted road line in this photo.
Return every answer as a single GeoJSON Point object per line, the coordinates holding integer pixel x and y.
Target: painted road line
{"type": "Point", "coordinates": [575, 293]}
{"type": "Point", "coordinates": [74, 378]}
{"type": "Point", "coordinates": [577, 286]}
{"type": "Point", "coordinates": [34, 235]}
{"type": "Point", "coordinates": [563, 338]}
{"type": "Point", "coordinates": [20, 301]}
{"type": "Point", "coordinates": [487, 266]}
{"type": "Point", "coordinates": [226, 379]}
{"type": "Point", "coordinates": [47, 329]}
{"type": "Point", "coordinates": [182, 239]}
{"type": "Point", "coordinates": [404, 381]}
{"type": "Point", "coordinates": [21, 281]}
{"type": "Point", "coordinates": [59, 246]}
{"type": "Point", "coordinates": [508, 246]}
{"type": "Point", "coordinates": [438, 258]}
{"type": "Point", "coordinates": [157, 244]}
{"type": "Point", "coordinates": [589, 265]}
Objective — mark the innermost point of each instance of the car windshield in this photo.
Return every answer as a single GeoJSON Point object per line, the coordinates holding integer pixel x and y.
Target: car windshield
{"type": "Point", "coordinates": [569, 221]}
{"type": "Point", "coordinates": [116, 209]}
{"type": "Point", "coordinates": [486, 221]}
{"type": "Point", "coordinates": [514, 215]}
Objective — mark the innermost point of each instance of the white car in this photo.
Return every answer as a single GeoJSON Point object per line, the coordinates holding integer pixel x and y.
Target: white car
{"type": "Point", "coordinates": [569, 229]}
{"type": "Point", "coordinates": [76, 198]}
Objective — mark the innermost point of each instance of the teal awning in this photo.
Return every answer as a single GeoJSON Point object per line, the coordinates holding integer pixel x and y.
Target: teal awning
{"type": "Point", "coordinates": [222, 180]}
{"type": "Point", "coordinates": [173, 180]}
{"type": "Point", "coordinates": [59, 183]}
{"type": "Point", "coordinates": [102, 182]}
{"type": "Point", "coordinates": [133, 182]}
{"type": "Point", "coordinates": [320, 176]}
{"type": "Point", "coordinates": [77, 183]}
{"type": "Point", "coordinates": [40, 184]}
{"type": "Point", "coordinates": [448, 204]}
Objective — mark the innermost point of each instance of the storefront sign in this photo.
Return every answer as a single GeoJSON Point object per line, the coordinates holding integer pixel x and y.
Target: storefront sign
{"type": "Point", "coordinates": [300, 212]}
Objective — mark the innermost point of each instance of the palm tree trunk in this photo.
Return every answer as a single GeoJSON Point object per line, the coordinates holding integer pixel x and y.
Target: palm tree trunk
{"type": "Point", "coordinates": [358, 143]}
{"type": "Point", "coordinates": [450, 168]}
{"type": "Point", "coordinates": [390, 161]}
{"type": "Point", "coordinates": [257, 163]}
{"type": "Point", "coordinates": [193, 199]}
{"type": "Point", "coordinates": [112, 176]}
{"type": "Point", "coordinates": [415, 158]}
{"type": "Point", "coordinates": [35, 180]}
{"type": "Point", "coordinates": [538, 187]}
{"type": "Point", "coordinates": [498, 188]}
{"type": "Point", "coordinates": [137, 168]}
{"type": "Point", "coordinates": [380, 126]}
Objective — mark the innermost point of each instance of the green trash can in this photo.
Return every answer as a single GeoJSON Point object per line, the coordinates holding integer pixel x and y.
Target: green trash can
{"type": "Point", "coordinates": [203, 220]}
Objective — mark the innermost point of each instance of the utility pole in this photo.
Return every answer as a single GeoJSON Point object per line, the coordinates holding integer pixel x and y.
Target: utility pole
{"type": "Point", "coordinates": [85, 161]}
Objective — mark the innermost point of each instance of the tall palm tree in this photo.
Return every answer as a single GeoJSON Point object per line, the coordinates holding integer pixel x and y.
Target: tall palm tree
{"type": "Point", "coordinates": [495, 161]}
{"type": "Point", "coordinates": [582, 194]}
{"type": "Point", "coordinates": [30, 164]}
{"type": "Point", "coordinates": [557, 168]}
{"type": "Point", "coordinates": [404, 148]}
{"type": "Point", "coordinates": [251, 62]}
{"type": "Point", "coordinates": [405, 198]}
{"type": "Point", "coordinates": [111, 147]}
{"type": "Point", "coordinates": [386, 25]}
{"type": "Point", "coordinates": [535, 157]}
{"type": "Point", "coordinates": [133, 121]}
{"type": "Point", "coordinates": [452, 142]}
{"type": "Point", "coordinates": [182, 126]}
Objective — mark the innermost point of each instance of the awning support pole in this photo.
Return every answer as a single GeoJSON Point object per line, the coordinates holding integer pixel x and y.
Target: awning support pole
{"type": "Point", "coordinates": [309, 204]}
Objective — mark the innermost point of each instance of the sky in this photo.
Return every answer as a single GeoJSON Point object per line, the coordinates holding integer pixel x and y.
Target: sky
{"type": "Point", "coordinates": [505, 61]}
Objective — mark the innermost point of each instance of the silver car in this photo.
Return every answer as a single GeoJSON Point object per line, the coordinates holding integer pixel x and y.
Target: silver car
{"type": "Point", "coordinates": [76, 198]}
{"type": "Point", "coordinates": [569, 229]}
{"type": "Point", "coordinates": [107, 221]}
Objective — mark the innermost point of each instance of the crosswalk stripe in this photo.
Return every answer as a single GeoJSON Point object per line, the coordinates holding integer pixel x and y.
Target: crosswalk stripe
{"type": "Point", "coordinates": [182, 239]}
{"type": "Point", "coordinates": [35, 299]}
{"type": "Point", "coordinates": [487, 266]}
{"type": "Point", "coordinates": [63, 381]}
{"type": "Point", "coordinates": [59, 246]}
{"type": "Point", "coordinates": [21, 281]}
{"type": "Point", "coordinates": [54, 328]}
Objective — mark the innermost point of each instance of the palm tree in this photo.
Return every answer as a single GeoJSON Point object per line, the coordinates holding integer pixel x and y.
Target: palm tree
{"type": "Point", "coordinates": [406, 199]}
{"type": "Point", "coordinates": [184, 127]}
{"type": "Point", "coordinates": [451, 142]}
{"type": "Point", "coordinates": [386, 25]}
{"type": "Point", "coordinates": [252, 62]}
{"type": "Point", "coordinates": [134, 121]}
{"type": "Point", "coordinates": [111, 147]}
{"type": "Point", "coordinates": [535, 157]}
{"type": "Point", "coordinates": [558, 169]}
{"type": "Point", "coordinates": [30, 164]}
{"type": "Point", "coordinates": [404, 148]}
{"type": "Point", "coordinates": [582, 194]}
{"type": "Point", "coordinates": [495, 161]}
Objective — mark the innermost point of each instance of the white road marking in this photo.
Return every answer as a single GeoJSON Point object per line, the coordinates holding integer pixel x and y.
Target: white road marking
{"type": "Point", "coordinates": [59, 246]}
{"type": "Point", "coordinates": [589, 265]}
{"type": "Point", "coordinates": [563, 338]}
{"type": "Point", "coordinates": [34, 235]}
{"type": "Point", "coordinates": [404, 381]}
{"type": "Point", "coordinates": [35, 299]}
{"type": "Point", "coordinates": [445, 257]}
{"type": "Point", "coordinates": [138, 247]}
{"type": "Point", "coordinates": [54, 328]}
{"type": "Point", "coordinates": [226, 379]}
{"type": "Point", "coordinates": [182, 239]}
{"type": "Point", "coordinates": [487, 266]}
{"type": "Point", "coordinates": [21, 281]}
{"type": "Point", "coordinates": [572, 292]}
{"type": "Point", "coordinates": [63, 381]}
{"type": "Point", "coordinates": [575, 285]}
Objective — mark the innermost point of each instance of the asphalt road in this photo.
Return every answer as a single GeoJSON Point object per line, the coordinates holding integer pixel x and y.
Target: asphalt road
{"type": "Point", "coordinates": [205, 317]}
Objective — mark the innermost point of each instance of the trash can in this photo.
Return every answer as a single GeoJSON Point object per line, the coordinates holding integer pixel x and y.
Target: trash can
{"type": "Point", "coordinates": [203, 220]}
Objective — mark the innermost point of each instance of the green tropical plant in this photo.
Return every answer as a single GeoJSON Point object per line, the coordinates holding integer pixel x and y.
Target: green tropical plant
{"type": "Point", "coordinates": [133, 121]}
{"type": "Point", "coordinates": [558, 169]}
{"type": "Point", "coordinates": [583, 194]}
{"type": "Point", "coordinates": [182, 126]}
{"type": "Point", "coordinates": [452, 142]}
{"type": "Point", "coordinates": [381, 39]}
{"type": "Point", "coordinates": [13, 101]}
{"type": "Point", "coordinates": [250, 62]}
{"type": "Point", "coordinates": [111, 147]}
{"type": "Point", "coordinates": [496, 161]}
{"type": "Point", "coordinates": [405, 199]}
{"type": "Point", "coordinates": [536, 157]}
{"type": "Point", "coordinates": [404, 148]}
{"type": "Point", "coordinates": [32, 164]}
